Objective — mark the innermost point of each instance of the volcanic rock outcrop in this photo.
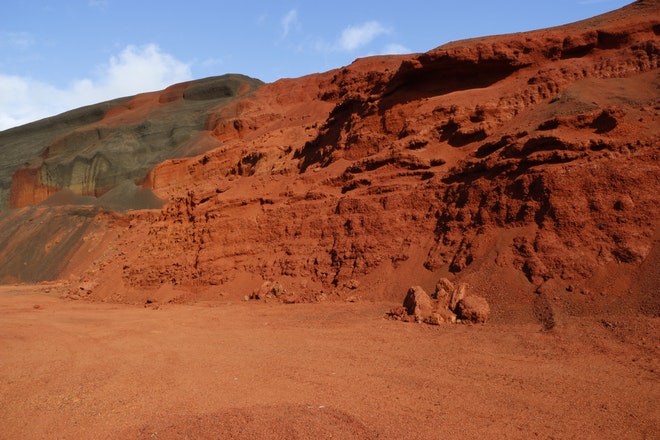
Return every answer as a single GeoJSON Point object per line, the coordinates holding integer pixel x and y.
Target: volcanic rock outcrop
{"type": "Point", "coordinates": [92, 150]}
{"type": "Point", "coordinates": [523, 164]}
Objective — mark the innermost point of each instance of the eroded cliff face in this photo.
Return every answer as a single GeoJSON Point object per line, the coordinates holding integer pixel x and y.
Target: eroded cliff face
{"type": "Point", "coordinates": [518, 164]}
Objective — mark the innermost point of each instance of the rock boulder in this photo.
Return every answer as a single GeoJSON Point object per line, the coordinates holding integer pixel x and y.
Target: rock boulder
{"type": "Point", "coordinates": [473, 308]}
{"type": "Point", "coordinates": [418, 303]}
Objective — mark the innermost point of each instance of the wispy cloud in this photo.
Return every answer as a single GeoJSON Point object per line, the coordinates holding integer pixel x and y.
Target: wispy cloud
{"type": "Point", "coordinates": [101, 4]}
{"type": "Point", "coordinates": [135, 69]}
{"type": "Point", "coordinates": [16, 40]}
{"type": "Point", "coordinates": [289, 21]}
{"type": "Point", "coordinates": [395, 49]}
{"type": "Point", "coordinates": [212, 62]}
{"type": "Point", "coordinates": [355, 37]}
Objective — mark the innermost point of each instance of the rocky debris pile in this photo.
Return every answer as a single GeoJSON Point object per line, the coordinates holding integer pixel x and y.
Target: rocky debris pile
{"type": "Point", "coordinates": [275, 291]}
{"type": "Point", "coordinates": [268, 290]}
{"type": "Point", "coordinates": [79, 290]}
{"type": "Point", "coordinates": [449, 303]}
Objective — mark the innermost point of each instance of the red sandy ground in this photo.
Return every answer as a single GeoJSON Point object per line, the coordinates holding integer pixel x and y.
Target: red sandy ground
{"type": "Point", "coordinates": [233, 370]}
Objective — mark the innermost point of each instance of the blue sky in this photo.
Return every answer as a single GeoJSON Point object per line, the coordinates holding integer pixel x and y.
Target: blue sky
{"type": "Point", "coordinates": [59, 55]}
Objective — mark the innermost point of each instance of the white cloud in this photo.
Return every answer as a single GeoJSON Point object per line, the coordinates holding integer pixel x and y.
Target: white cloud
{"type": "Point", "coordinates": [354, 37]}
{"type": "Point", "coordinates": [134, 70]}
{"type": "Point", "coordinates": [139, 69]}
{"type": "Point", "coordinates": [288, 21]}
{"type": "Point", "coordinates": [395, 49]}
{"type": "Point", "coordinates": [24, 100]}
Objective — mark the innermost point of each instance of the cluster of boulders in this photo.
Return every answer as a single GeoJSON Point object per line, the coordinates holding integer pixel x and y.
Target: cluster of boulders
{"type": "Point", "coordinates": [275, 291]}
{"type": "Point", "coordinates": [448, 303]}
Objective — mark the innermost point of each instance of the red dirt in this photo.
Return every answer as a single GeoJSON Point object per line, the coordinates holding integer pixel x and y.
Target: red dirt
{"type": "Point", "coordinates": [237, 370]}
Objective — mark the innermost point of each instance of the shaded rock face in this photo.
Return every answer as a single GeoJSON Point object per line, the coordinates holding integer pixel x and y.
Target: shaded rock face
{"type": "Point", "coordinates": [39, 245]}
{"type": "Point", "coordinates": [514, 163]}
{"type": "Point", "coordinates": [417, 302]}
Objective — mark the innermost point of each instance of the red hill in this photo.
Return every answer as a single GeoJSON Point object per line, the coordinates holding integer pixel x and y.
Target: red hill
{"type": "Point", "coordinates": [524, 165]}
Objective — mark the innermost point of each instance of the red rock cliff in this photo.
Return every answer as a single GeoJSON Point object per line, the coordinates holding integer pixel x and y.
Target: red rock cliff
{"type": "Point", "coordinates": [518, 163]}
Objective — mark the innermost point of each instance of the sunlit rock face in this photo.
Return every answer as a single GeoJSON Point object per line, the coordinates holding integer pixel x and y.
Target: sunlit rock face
{"type": "Point", "coordinates": [523, 166]}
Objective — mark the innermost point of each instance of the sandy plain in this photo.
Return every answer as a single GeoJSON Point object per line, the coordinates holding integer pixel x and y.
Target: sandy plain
{"type": "Point", "coordinates": [248, 370]}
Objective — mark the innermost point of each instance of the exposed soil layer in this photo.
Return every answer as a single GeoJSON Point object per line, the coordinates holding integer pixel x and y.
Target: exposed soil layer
{"type": "Point", "coordinates": [237, 370]}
